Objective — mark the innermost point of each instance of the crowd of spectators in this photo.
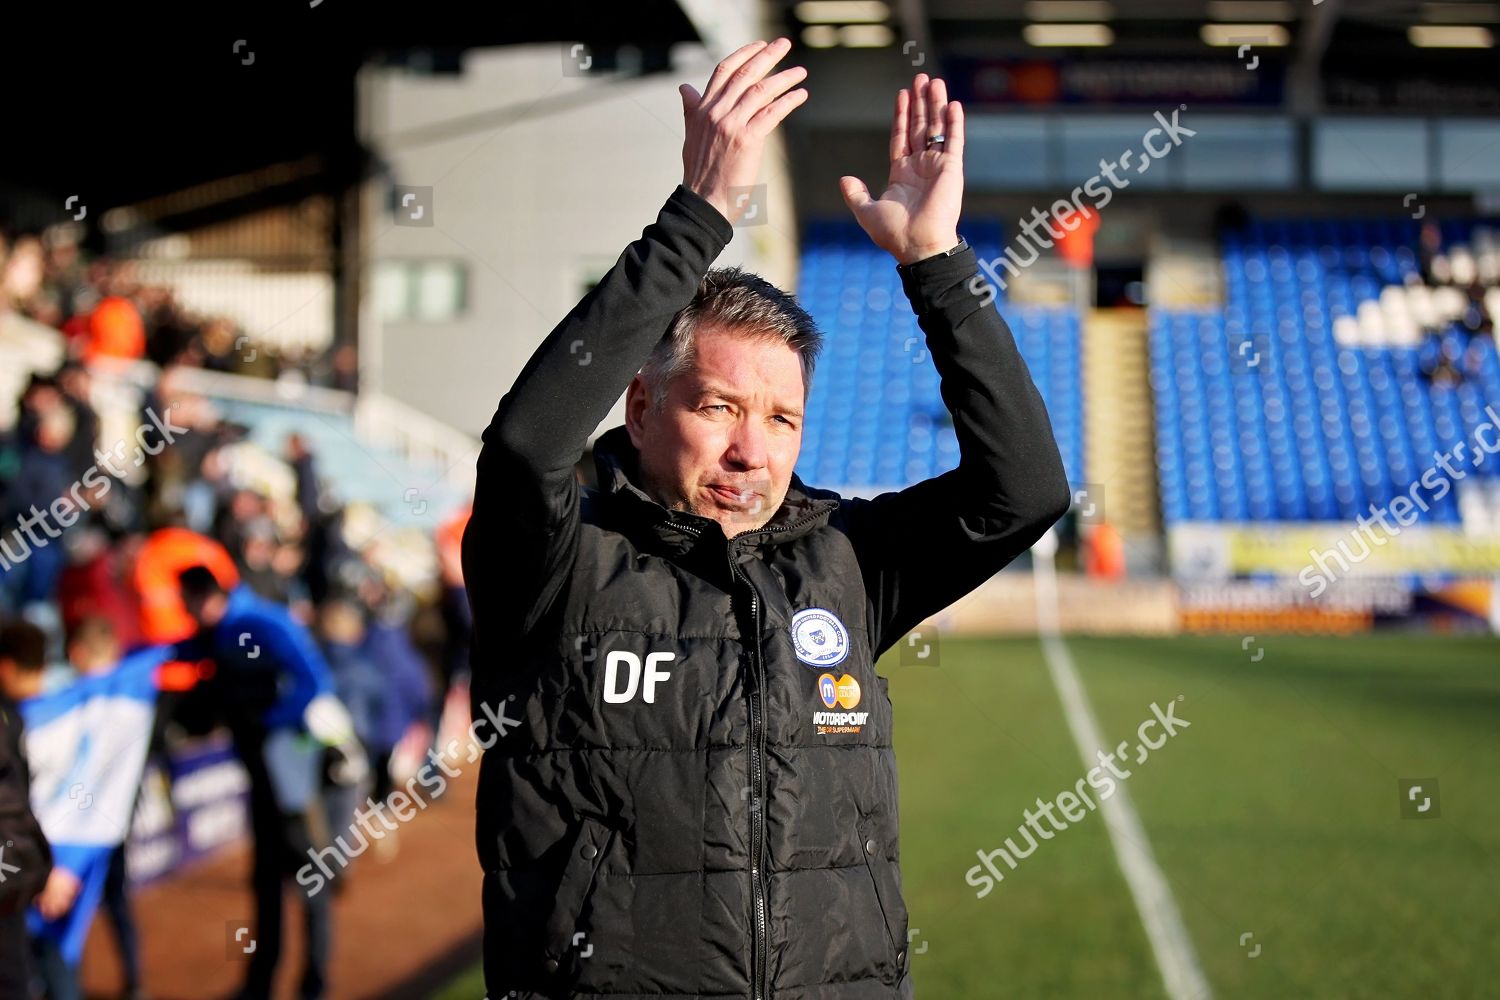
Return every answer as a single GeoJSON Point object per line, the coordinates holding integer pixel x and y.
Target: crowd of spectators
{"type": "Point", "coordinates": [95, 527]}
{"type": "Point", "coordinates": [104, 310]}
{"type": "Point", "coordinates": [1455, 340]}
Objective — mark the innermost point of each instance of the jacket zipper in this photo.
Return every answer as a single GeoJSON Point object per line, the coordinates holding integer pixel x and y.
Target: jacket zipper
{"type": "Point", "coordinates": [759, 947]}
{"type": "Point", "coordinates": [758, 786]}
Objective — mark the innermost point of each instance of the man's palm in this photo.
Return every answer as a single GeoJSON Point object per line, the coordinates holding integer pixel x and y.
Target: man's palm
{"type": "Point", "coordinates": [917, 215]}
{"type": "Point", "coordinates": [920, 189]}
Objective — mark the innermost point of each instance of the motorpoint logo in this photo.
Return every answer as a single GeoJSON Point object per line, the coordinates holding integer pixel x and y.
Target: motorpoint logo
{"type": "Point", "coordinates": [848, 690]}
{"type": "Point", "coordinates": [836, 691]}
{"type": "Point", "coordinates": [842, 692]}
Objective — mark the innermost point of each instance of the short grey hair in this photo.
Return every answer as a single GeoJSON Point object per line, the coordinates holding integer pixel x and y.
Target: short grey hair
{"type": "Point", "coordinates": [744, 304]}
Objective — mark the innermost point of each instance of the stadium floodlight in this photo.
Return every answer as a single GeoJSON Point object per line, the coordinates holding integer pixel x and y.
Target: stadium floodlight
{"type": "Point", "coordinates": [1239, 34]}
{"type": "Point", "coordinates": [841, 11]}
{"type": "Point", "coordinates": [866, 36]}
{"type": "Point", "coordinates": [1067, 35]}
{"type": "Point", "coordinates": [1069, 10]}
{"type": "Point", "coordinates": [1450, 36]}
{"type": "Point", "coordinates": [820, 36]}
{"type": "Point", "coordinates": [851, 36]}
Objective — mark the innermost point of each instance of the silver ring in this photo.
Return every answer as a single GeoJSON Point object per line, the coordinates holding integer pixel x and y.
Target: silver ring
{"type": "Point", "coordinates": [936, 140]}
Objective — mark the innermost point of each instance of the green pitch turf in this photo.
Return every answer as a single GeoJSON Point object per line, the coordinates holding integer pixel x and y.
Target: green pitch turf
{"type": "Point", "coordinates": [1276, 814]}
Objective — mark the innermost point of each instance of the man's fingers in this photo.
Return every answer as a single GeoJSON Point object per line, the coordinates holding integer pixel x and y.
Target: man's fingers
{"type": "Point", "coordinates": [765, 121]}
{"type": "Point", "coordinates": [856, 194]}
{"type": "Point", "coordinates": [764, 93]}
{"type": "Point", "coordinates": [955, 130]}
{"type": "Point", "coordinates": [917, 134]}
{"type": "Point", "coordinates": [690, 98]}
{"type": "Point", "coordinates": [752, 71]}
{"type": "Point", "coordinates": [899, 124]}
{"type": "Point", "coordinates": [730, 63]}
{"type": "Point", "coordinates": [937, 101]}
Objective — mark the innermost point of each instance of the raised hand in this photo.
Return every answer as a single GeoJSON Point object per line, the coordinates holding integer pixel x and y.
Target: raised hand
{"type": "Point", "coordinates": [728, 123]}
{"type": "Point", "coordinates": [917, 216]}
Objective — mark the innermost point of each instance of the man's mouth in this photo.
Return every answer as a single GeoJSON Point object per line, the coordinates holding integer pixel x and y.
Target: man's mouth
{"type": "Point", "coordinates": [739, 496]}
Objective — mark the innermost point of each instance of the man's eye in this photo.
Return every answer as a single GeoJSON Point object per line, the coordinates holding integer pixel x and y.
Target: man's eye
{"type": "Point", "coordinates": [717, 406]}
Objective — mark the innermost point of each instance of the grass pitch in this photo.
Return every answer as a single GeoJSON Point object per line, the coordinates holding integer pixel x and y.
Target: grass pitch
{"type": "Point", "coordinates": [1279, 817]}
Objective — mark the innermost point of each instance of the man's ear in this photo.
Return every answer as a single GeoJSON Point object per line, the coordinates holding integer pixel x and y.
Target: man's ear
{"type": "Point", "coordinates": [636, 401]}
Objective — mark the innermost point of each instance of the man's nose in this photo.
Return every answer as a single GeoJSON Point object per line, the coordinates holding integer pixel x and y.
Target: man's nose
{"type": "Point", "coordinates": [747, 445]}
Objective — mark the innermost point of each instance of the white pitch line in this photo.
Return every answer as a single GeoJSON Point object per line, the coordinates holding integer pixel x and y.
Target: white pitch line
{"type": "Point", "coordinates": [1180, 971]}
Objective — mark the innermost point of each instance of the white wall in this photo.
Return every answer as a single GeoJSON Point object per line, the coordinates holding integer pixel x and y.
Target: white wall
{"type": "Point", "coordinates": [539, 193]}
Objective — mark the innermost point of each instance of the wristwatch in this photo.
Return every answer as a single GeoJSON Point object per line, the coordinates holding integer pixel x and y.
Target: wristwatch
{"type": "Point", "coordinates": [963, 244]}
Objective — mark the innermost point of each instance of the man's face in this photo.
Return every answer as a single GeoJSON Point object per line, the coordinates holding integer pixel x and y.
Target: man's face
{"type": "Point", "coordinates": [207, 611]}
{"type": "Point", "coordinates": [726, 440]}
{"type": "Point", "coordinates": [18, 683]}
{"type": "Point", "coordinates": [93, 657]}
{"type": "Point", "coordinates": [8, 676]}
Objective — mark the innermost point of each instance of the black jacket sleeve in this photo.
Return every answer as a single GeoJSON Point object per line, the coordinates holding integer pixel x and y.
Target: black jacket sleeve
{"type": "Point", "coordinates": [523, 533]}
{"type": "Point", "coordinates": [27, 858]}
{"type": "Point", "coordinates": [924, 547]}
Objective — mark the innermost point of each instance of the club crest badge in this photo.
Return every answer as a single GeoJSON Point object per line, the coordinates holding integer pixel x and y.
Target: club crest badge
{"type": "Point", "coordinates": [819, 638]}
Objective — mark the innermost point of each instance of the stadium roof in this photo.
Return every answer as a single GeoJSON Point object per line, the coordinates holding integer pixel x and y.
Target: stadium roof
{"type": "Point", "coordinates": [988, 27]}
{"type": "Point", "coordinates": [130, 103]}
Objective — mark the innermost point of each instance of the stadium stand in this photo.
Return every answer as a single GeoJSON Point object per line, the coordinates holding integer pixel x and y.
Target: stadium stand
{"type": "Point", "coordinates": [1332, 376]}
{"type": "Point", "coordinates": [876, 384]}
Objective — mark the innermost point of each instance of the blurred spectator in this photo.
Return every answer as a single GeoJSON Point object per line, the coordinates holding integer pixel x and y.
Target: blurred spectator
{"type": "Point", "coordinates": [115, 330]}
{"type": "Point", "coordinates": [1429, 254]}
{"type": "Point", "coordinates": [458, 621]}
{"type": "Point", "coordinates": [23, 659]}
{"type": "Point", "coordinates": [267, 673]}
{"type": "Point", "coordinates": [94, 649]}
{"type": "Point", "coordinates": [164, 555]}
{"type": "Point", "coordinates": [301, 460]}
{"type": "Point", "coordinates": [256, 559]}
{"type": "Point", "coordinates": [362, 689]}
{"type": "Point", "coordinates": [22, 271]}
{"type": "Point", "coordinates": [76, 385]}
{"type": "Point", "coordinates": [33, 561]}
{"type": "Point", "coordinates": [238, 518]}
{"type": "Point", "coordinates": [25, 849]}
{"type": "Point", "coordinates": [402, 672]}
{"type": "Point", "coordinates": [1476, 318]}
{"type": "Point", "coordinates": [95, 583]}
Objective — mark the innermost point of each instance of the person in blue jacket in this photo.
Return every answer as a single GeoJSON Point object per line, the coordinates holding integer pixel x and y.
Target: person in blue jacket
{"type": "Point", "coordinates": [404, 675]}
{"type": "Point", "coordinates": [271, 686]}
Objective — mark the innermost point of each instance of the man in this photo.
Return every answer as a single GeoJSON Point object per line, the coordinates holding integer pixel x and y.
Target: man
{"type": "Point", "coordinates": [25, 856]}
{"type": "Point", "coordinates": [271, 686]}
{"type": "Point", "coordinates": [698, 794]}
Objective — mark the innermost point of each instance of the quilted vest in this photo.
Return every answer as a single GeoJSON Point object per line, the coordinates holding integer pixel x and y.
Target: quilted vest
{"type": "Point", "coordinates": [699, 799]}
